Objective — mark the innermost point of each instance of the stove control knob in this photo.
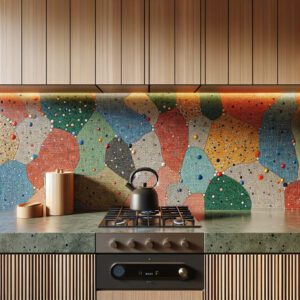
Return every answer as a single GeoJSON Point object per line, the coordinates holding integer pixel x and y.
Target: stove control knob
{"type": "Point", "coordinates": [183, 273]}
{"type": "Point", "coordinates": [113, 244]}
{"type": "Point", "coordinates": [149, 244]}
{"type": "Point", "coordinates": [185, 244]}
{"type": "Point", "coordinates": [166, 243]}
{"type": "Point", "coordinates": [131, 244]}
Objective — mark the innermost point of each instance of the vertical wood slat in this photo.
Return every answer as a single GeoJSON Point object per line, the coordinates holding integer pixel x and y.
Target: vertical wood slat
{"type": "Point", "coordinates": [34, 42]}
{"type": "Point", "coordinates": [240, 42]}
{"type": "Point", "coordinates": [10, 46]}
{"type": "Point", "coordinates": [249, 276]}
{"type": "Point", "coordinates": [44, 276]}
{"type": "Point", "coordinates": [265, 42]}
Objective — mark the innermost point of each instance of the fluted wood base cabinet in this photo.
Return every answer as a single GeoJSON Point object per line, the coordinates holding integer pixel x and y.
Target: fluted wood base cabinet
{"type": "Point", "coordinates": [150, 295]}
{"type": "Point", "coordinates": [47, 277]}
{"type": "Point", "coordinates": [72, 277]}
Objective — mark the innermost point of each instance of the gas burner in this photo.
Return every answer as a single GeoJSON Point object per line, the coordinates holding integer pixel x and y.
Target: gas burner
{"type": "Point", "coordinates": [165, 216]}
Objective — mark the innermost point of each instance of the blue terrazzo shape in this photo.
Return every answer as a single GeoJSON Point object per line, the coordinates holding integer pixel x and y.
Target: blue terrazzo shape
{"type": "Point", "coordinates": [128, 125]}
{"type": "Point", "coordinates": [15, 187]}
{"type": "Point", "coordinates": [197, 170]}
{"type": "Point", "coordinates": [276, 139]}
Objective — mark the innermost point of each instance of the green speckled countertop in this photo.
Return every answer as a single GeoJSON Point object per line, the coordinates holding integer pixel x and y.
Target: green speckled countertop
{"type": "Point", "coordinates": [261, 231]}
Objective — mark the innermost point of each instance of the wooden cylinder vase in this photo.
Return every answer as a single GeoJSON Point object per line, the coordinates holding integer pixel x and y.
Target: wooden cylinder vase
{"type": "Point", "coordinates": [59, 193]}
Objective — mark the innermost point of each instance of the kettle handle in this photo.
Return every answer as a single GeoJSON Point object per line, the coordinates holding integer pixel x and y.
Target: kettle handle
{"type": "Point", "coordinates": [132, 175]}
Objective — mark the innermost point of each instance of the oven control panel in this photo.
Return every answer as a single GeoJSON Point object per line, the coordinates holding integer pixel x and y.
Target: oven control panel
{"type": "Point", "coordinates": [150, 271]}
{"type": "Point", "coordinates": [149, 242]}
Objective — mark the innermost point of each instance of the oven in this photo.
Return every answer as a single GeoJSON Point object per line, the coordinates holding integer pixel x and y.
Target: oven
{"type": "Point", "coordinates": [168, 263]}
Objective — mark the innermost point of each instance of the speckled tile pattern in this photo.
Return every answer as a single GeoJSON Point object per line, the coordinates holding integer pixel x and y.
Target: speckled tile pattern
{"type": "Point", "coordinates": [252, 138]}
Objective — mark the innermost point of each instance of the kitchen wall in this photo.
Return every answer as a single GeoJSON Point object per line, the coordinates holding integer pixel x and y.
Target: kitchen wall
{"type": "Point", "coordinates": [213, 151]}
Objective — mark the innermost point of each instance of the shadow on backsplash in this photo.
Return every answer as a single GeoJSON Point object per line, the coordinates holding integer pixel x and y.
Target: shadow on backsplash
{"type": "Point", "coordinates": [212, 151]}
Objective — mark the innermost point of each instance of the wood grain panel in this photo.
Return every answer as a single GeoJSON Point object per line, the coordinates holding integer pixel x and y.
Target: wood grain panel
{"type": "Point", "coordinates": [34, 41]}
{"type": "Point", "coordinates": [108, 42]}
{"type": "Point", "coordinates": [10, 45]}
{"type": "Point", "coordinates": [187, 41]}
{"type": "Point", "coordinates": [47, 276]}
{"type": "Point", "coordinates": [240, 42]}
{"type": "Point", "coordinates": [203, 43]}
{"type": "Point", "coordinates": [150, 295]}
{"type": "Point", "coordinates": [83, 41]}
{"type": "Point", "coordinates": [288, 42]}
{"type": "Point", "coordinates": [257, 277]}
{"type": "Point", "coordinates": [133, 42]}
{"type": "Point", "coordinates": [265, 42]}
{"type": "Point", "coordinates": [58, 42]}
{"type": "Point", "coordinates": [162, 54]}
{"type": "Point", "coordinates": [216, 41]}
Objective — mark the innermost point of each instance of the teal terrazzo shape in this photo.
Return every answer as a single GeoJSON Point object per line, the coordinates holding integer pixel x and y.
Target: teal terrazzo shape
{"type": "Point", "coordinates": [69, 113]}
{"type": "Point", "coordinates": [15, 187]}
{"type": "Point", "coordinates": [276, 139]}
{"type": "Point", "coordinates": [197, 170]}
{"type": "Point", "coordinates": [224, 193]}
{"type": "Point", "coordinates": [163, 102]}
{"type": "Point", "coordinates": [211, 105]}
{"type": "Point", "coordinates": [93, 140]}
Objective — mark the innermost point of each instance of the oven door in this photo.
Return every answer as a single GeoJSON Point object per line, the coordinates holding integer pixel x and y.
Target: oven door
{"type": "Point", "coordinates": [150, 272]}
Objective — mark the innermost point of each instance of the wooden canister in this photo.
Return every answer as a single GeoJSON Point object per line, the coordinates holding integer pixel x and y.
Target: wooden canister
{"type": "Point", "coordinates": [59, 193]}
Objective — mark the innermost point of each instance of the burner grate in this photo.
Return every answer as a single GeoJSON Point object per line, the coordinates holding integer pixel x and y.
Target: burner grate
{"type": "Point", "coordinates": [166, 216]}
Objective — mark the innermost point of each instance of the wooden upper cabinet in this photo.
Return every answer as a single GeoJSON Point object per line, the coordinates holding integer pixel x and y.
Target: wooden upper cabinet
{"type": "Point", "coordinates": [108, 41]}
{"type": "Point", "coordinates": [34, 41]}
{"type": "Point", "coordinates": [265, 41]}
{"type": "Point", "coordinates": [58, 42]}
{"type": "Point", "coordinates": [288, 42]}
{"type": "Point", "coordinates": [83, 41]}
{"type": "Point", "coordinates": [162, 54]}
{"type": "Point", "coordinates": [10, 41]}
{"type": "Point", "coordinates": [120, 33]}
{"type": "Point", "coordinates": [240, 42]}
{"type": "Point", "coordinates": [133, 42]}
{"type": "Point", "coordinates": [216, 41]}
{"type": "Point", "coordinates": [187, 41]}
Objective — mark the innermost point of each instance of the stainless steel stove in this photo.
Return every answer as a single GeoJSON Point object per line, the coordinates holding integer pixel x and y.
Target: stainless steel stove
{"type": "Point", "coordinates": [157, 250]}
{"type": "Point", "coordinates": [165, 216]}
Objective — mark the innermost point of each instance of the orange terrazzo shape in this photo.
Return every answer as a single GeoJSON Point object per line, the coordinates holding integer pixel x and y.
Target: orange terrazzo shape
{"type": "Point", "coordinates": [12, 107]}
{"type": "Point", "coordinates": [172, 133]}
{"type": "Point", "coordinates": [292, 195]}
{"type": "Point", "coordinates": [231, 142]}
{"type": "Point", "coordinates": [195, 202]}
{"type": "Point", "coordinates": [248, 107]}
{"type": "Point", "coordinates": [166, 177]}
{"type": "Point", "coordinates": [59, 151]}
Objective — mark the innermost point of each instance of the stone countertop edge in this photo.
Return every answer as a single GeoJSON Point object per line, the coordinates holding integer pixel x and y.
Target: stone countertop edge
{"type": "Point", "coordinates": [49, 243]}
{"type": "Point", "coordinates": [252, 243]}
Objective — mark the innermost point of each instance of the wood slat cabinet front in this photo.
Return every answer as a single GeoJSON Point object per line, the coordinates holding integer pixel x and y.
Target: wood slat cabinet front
{"type": "Point", "coordinates": [252, 276]}
{"type": "Point", "coordinates": [47, 277]}
{"type": "Point", "coordinates": [150, 295]}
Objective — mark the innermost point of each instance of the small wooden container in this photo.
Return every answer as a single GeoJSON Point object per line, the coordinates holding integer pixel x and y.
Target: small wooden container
{"type": "Point", "coordinates": [29, 210]}
{"type": "Point", "coordinates": [59, 193]}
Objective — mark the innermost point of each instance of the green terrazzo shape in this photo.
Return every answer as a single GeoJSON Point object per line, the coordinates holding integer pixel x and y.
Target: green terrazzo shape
{"type": "Point", "coordinates": [224, 193]}
{"type": "Point", "coordinates": [68, 112]}
{"type": "Point", "coordinates": [163, 102]}
{"type": "Point", "coordinates": [92, 141]}
{"type": "Point", "coordinates": [211, 105]}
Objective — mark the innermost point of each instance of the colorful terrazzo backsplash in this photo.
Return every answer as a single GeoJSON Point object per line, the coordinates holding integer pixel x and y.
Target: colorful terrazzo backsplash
{"type": "Point", "coordinates": [212, 151]}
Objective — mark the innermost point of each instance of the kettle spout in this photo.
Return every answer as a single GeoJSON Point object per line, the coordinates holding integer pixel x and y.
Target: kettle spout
{"type": "Point", "coordinates": [130, 186]}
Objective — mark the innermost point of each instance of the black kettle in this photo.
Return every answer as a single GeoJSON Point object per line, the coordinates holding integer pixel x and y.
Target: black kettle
{"type": "Point", "coordinates": [143, 198]}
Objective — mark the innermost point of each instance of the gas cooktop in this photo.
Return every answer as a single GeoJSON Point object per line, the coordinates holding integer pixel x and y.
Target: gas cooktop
{"type": "Point", "coordinates": [165, 216]}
